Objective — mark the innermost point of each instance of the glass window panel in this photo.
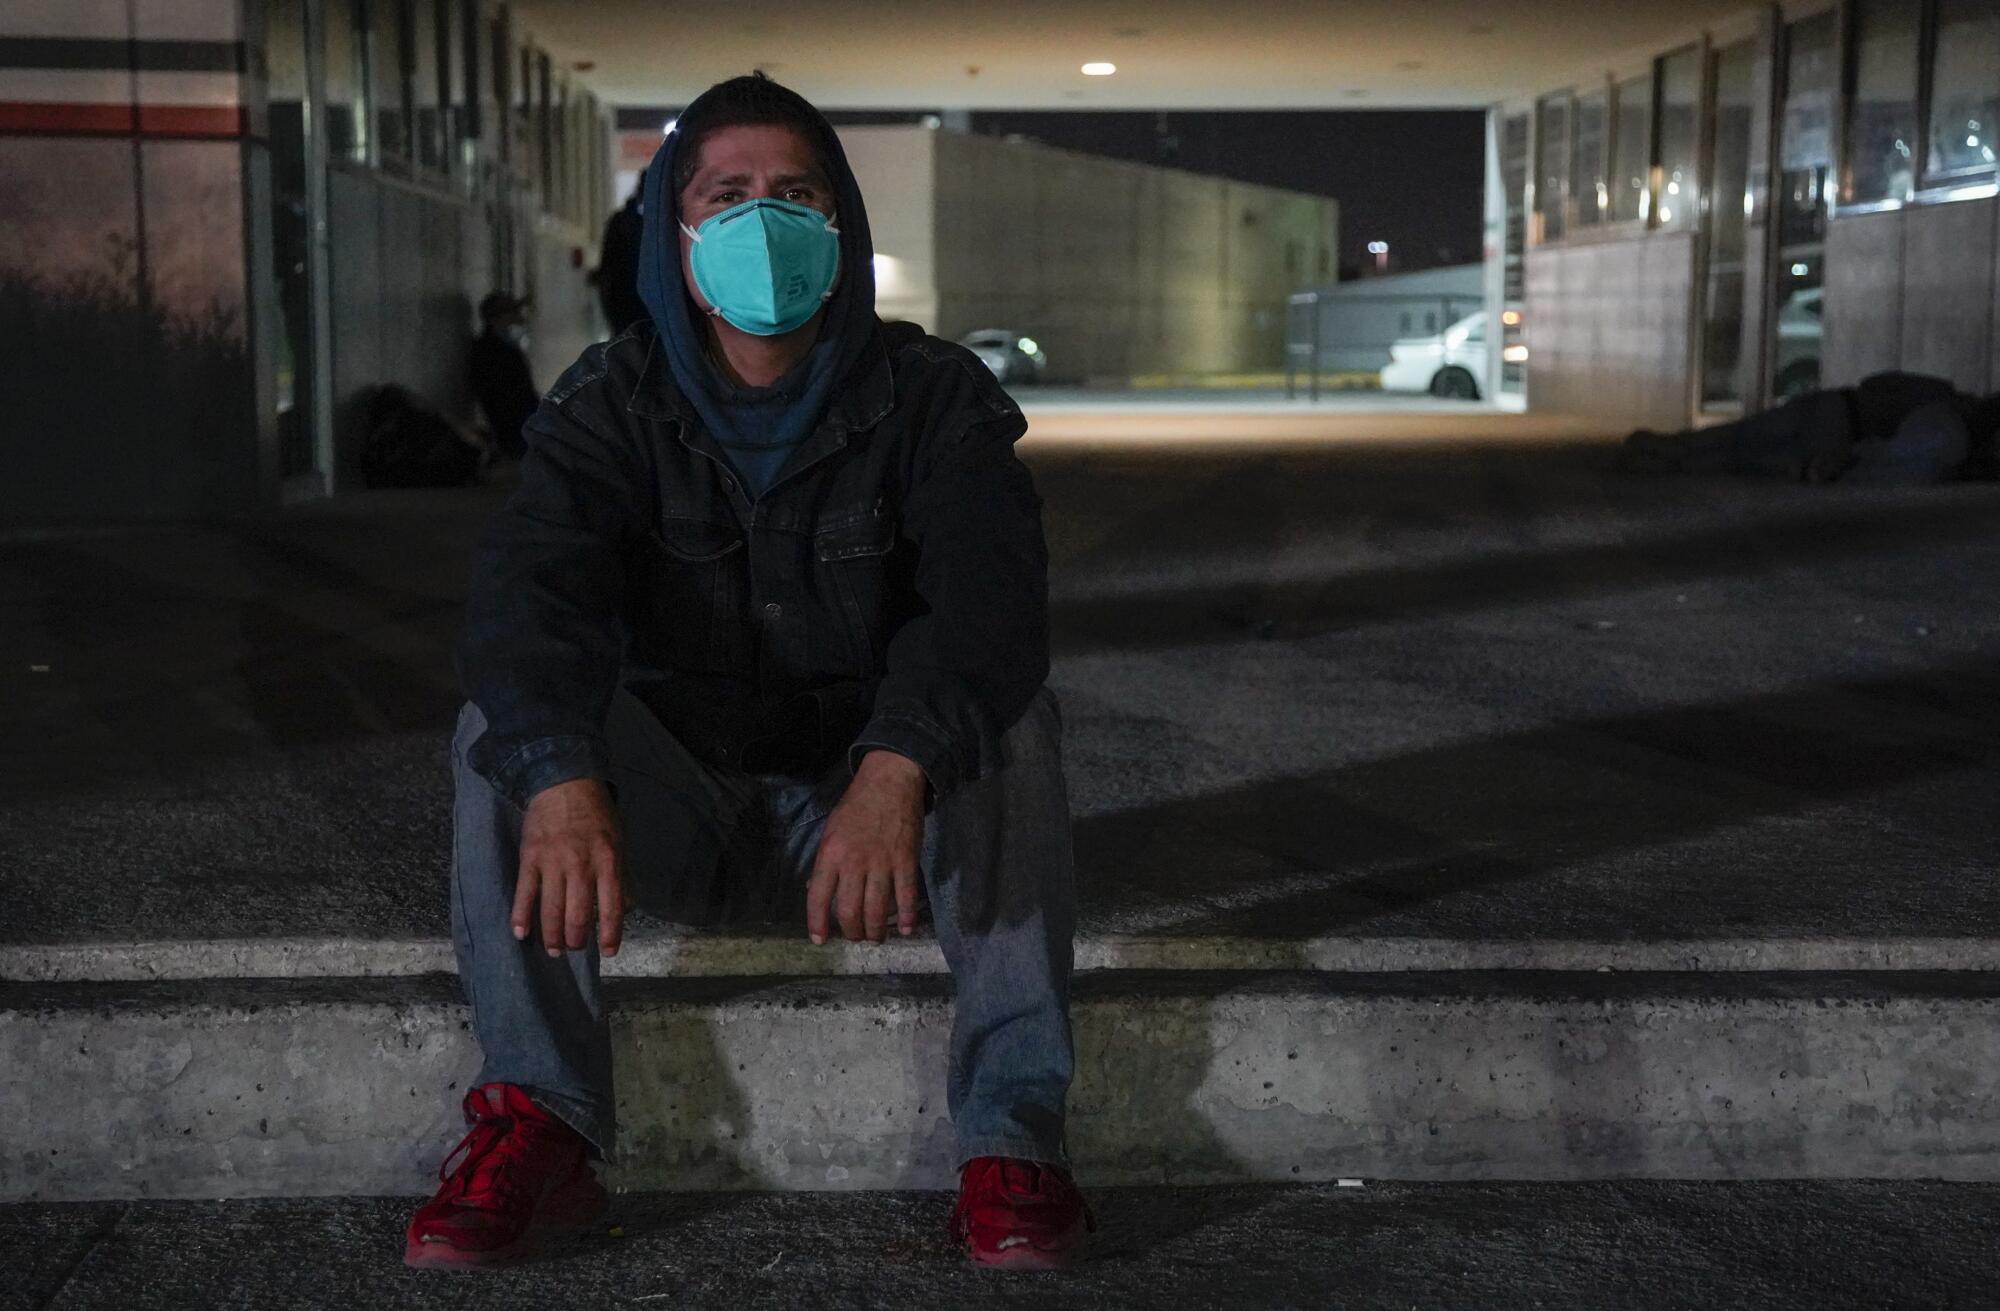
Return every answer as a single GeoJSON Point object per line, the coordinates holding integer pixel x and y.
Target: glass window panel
{"type": "Point", "coordinates": [1631, 166]}
{"type": "Point", "coordinates": [291, 342]}
{"type": "Point", "coordinates": [1552, 174]}
{"type": "Point", "coordinates": [1592, 192]}
{"type": "Point", "coordinates": [1882, 117]}
{"type": "Point", "coordinates": [1722, 328]}
{"type": "Point", "coordinates": [451, 83]}
{"type": "Point", "coordinates": [1805, 163]}
{"type": "Point", "coordinates": [545, 130]}
{"type": "Point", "coordinates": [1680, 137]}
{"type": "Point", "coordinates": [1965, 87]}
{"type": "Point", "coordinates": [346, 81]}
{"type": "Point", "coordinates": [389, 77]}
{"type": "Point", "coordinates": [1514, 179]}
{"type": "Point", "coordinates": [526, 143]}
{"type": "Point", "coordinates": [426, 126]}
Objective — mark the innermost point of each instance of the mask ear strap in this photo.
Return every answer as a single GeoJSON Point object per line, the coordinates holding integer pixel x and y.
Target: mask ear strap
{"type": "Point", "coordinates": [692, 234]}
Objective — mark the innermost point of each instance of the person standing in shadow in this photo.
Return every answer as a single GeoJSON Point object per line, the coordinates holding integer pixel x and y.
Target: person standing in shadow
{"type": "Point", "coordinates": [617, 275]}
{"type": "Point", "coordinates": [498, 370]}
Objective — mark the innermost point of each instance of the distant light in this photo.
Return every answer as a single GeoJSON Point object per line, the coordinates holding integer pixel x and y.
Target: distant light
{"type": "Point", "coordinates": [1510, 317]}
{"type": "Point", "coordinates": [1749, 205]}
{"type": "Point", "coordinates": [1514, 354]}
{"type": "Point", "coordinates": [1099, 68]}
{"type": "Point", "coordinates": [1378, 248]}
{"type": "Point", "coordinates": [1972, 141]}
{"type": "Point", "coordinates": [668, 130]}
{"type": "Point", "coordinates": [933, 122]}
{"type": "Point", "coordinates": [1673, 188]}
{"type": "Point", "coordinates": [1800, 270]}
{"type": "Point", "coordinates": [888, 275]}
{"type": "Point", "coordinates": [1028, 345]}
{"type": "Point", "coordinates": [1666, 215]}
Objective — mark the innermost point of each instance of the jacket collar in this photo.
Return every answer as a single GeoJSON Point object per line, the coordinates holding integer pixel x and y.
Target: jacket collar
{"type": "Point", "coordinates": [860, 400]}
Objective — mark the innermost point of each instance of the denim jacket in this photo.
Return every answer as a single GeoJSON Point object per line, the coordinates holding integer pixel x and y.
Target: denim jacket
{"type": "Point", "coordinates": [889, 590]}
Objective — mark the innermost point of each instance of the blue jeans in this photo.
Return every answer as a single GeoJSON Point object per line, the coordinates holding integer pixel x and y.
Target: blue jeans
{"type": "Point", "coordinates": [704, 845]}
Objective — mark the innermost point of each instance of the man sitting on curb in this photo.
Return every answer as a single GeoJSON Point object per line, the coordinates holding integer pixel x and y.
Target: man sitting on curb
{"type": "Point", "coordinates": [764, 628]}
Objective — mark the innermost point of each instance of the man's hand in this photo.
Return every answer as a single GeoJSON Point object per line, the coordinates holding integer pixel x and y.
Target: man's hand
{"type": "Point", "coordinates": [868, 853]}
{"type": "Point", "coordinates": [569, 859]}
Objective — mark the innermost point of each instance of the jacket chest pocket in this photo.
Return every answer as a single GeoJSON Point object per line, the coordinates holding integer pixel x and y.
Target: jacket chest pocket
{"type": "Point", "coordinates": [857, 560]}
{"type": "Point", "coordinates": [689, 589]}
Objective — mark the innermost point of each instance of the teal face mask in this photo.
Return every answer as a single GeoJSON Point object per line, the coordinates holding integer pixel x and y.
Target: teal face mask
{"type": "Point", "coordinates": [765, 265]}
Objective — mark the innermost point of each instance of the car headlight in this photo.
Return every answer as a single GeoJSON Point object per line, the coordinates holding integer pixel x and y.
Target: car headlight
{"type": "Point", "coordinates": [1028, 346]}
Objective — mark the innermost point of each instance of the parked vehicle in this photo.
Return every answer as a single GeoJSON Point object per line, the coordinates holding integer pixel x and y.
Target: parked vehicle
{"type": "Point", "coordinates": [1012, 357]}
{"type": "Point", "coordinates": [1800, 328]}
{"type": "Point", "coordinates": [1448, 364]}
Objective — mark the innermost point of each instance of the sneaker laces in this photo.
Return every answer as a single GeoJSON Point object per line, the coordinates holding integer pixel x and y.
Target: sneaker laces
{"type": "Point", "coordinates": [481, 1163]}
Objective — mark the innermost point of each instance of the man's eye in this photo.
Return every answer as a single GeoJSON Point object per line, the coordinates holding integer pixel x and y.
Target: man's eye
{"type": "Point", "coordinates": [726, 197]}
{"type": "Point", "coordinates": [802, 195]}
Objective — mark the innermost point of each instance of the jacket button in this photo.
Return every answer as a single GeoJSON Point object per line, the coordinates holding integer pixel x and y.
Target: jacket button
{"type": "Point", "coordinates": [772, 610]}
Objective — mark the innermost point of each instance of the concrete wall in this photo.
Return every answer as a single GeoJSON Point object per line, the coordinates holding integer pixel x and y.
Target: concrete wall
{"type": "Point", "coordinates": [1610, 328]}
{"type": "Point", "coordinates": [409, 265]}
{"type": "Point", "coordinates": [1117, 268]}
{"type": "Point", "coordinates": [125, 316]}
{"type": "Point", "coordinates": [897, 168]}
{"type": "Point", "coordinates": [1916, 289]}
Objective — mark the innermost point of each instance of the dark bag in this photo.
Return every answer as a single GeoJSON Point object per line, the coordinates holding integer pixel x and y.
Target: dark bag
{"type": "Point", "coordinates": [411, 445]}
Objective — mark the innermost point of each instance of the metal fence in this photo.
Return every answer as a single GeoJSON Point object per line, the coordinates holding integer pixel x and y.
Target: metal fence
{"type": "Point", "coordinates": [1340, 339]}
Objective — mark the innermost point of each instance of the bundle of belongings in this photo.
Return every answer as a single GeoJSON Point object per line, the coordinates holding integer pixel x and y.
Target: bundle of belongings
{"type": "Point", "coordinates": [410, 444]}
{"type": "Point", "coordinates": [1895, 429]}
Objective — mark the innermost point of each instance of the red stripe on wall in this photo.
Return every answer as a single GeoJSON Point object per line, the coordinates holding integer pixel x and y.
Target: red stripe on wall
{"type": "Point", "coordinates": [191, 120]}
{"type": "Point", "coordinates": [122, 120]}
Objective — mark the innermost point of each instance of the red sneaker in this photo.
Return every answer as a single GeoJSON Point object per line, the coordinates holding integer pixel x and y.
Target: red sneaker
{"type": "Point", "coordinates": [524, 1174]}
{"type": "Point", "coordinates": [1019, 1215]}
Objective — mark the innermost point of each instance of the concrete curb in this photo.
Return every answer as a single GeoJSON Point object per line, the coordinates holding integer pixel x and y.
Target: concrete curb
{"type": "Point", "coordinates": [264, 1088]}
{"type": "Point", "coordinates": [783, 954]}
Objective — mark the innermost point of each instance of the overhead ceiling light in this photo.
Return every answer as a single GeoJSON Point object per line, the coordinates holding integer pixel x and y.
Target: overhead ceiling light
{"type": "Point", "coordinates": [1099, 68]}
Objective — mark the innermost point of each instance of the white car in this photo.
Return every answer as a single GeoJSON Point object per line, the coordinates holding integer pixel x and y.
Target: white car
{"type": "Point", "coordinates": [1447, 365]}
{"type": "Point", "coordinates": [1012, 357]}
{"type": "Point", "coordinates": [1800, 329]}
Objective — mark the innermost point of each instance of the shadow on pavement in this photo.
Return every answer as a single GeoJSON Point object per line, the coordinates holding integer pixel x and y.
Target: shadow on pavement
{"type": "Point", "coordinates": [1393, 839]}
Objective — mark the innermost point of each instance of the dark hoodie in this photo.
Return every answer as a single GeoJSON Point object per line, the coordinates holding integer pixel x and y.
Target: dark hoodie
{"type": "Point", "coordinates": [888, 592]}
{"type": "Point", "coordinates": [756, 426]}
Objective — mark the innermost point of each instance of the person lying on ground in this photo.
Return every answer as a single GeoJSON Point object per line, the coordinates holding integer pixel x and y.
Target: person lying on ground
{"type": "Point", "coordinates": [1893, 428]}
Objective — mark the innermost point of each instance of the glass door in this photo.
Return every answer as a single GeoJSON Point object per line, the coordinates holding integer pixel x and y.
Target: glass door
{"type": "Point", "coordinates": [1809, 82]}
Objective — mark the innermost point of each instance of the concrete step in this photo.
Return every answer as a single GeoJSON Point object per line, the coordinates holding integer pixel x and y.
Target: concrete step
{"type": "Point", "coordinates": [1768, 1246]}
{"type": "Point", "coordinates": [260, 1087]}
{"type": "Point", "coordinates": [663, 951]}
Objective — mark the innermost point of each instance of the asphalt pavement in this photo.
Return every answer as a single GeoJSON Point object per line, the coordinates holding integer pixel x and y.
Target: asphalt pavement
{"type": "Point", "coordinates": [1768, 1246]}
{"type": "Point", "coordinates": [1409, 688]}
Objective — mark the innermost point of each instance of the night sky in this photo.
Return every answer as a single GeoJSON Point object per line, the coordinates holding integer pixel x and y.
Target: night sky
{"type": "Point", "coordinates": [1410, 178]}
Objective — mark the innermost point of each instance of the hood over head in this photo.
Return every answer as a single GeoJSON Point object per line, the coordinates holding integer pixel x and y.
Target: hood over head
{"type": "Point", "coordinates": [761, 416]}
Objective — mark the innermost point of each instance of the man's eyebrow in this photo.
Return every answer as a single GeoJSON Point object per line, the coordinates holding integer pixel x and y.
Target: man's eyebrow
{"type": "Point", "coordinates": [743, 180]}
